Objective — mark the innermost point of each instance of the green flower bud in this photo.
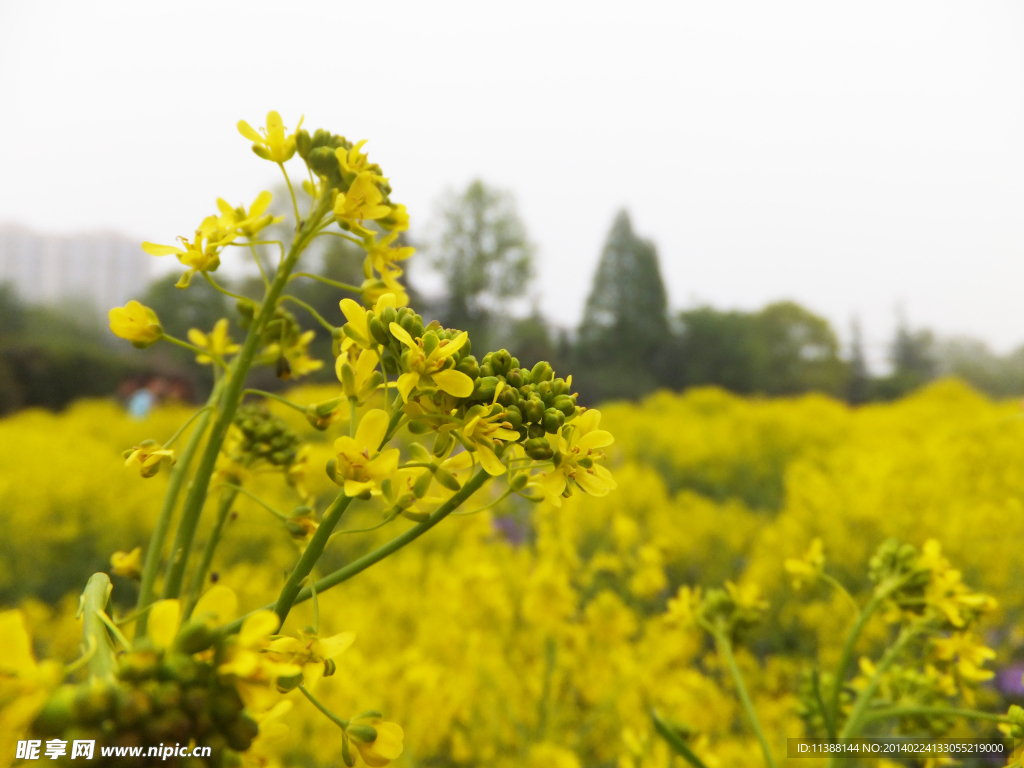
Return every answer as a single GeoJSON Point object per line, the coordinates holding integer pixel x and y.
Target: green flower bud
{"type": "Point", "coordinates": [329, 667]}
{"type": "Point", "coordinates": [514, 417]}
{"type": "Point", "coordinates": [509, 396]}
{"type": "Point", "coordinates": [225, 705]}
{"type": "Point", "coordinates": [240, 732]}
{"type": "Point", "coordinates": [447, 479]}
{"type": "Point", "coordinates": [390, 363]}
{"type": "Point", "coordinates": [362, 732]}
{"type": "Point", "coordinates": [442, 442]}
{"type": "Point", "coordinates": [346, 753]}
{"type": "Point", "coordinates": [194, 637]}
{"type": "Point", "coordinates": [483, 388]}
{"type": "Point", "coordinates": [421, 486]}
{"type": "Point", "coordinates": [566, 404]}
{"type": "Point", "coordinates": [286, 683]}
{"type": "Point", "coordinates": [532, 410]}
{"type": "Point", "coordinates": [418, 427]}
{"type": "Point", "coordinates": [538, 449]}
{"type": "Point", "coordinates": [535, 431]}
{"type": "Point", "coordinates": [541, 372]}
{"type": "Point", "coordinates": [377, 331]}
{"type": "Point", "coordinates": [501, 362]}
{"type": "Point", "coordinates": [324, 162]}
{"type": "Point", "coordinates": [303, 143]}
{"type": "Point", "coordinates": [430, 342]}
{"type": "Point", "coordinates": [388, 316]}
{"type": "Point", "coordinates": [420, 454]}
{"type": "Point", "coordinates": [553, 420]}
{"type": "Point", "coordinates": [519, 481]}
{"type": "Point", "coordinates": [487, 369]}
{"type": "Point", "coordinates": [469, 366]}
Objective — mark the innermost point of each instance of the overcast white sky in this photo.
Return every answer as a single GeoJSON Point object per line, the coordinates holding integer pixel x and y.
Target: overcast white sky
{"type": "Point", "coordinates": [852, 157]}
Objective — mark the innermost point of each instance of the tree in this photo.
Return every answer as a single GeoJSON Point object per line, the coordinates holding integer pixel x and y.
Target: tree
{"type": "Point", "coordinates": [483, 255]}
{"type": "Point", "coordinates": [798, 351]}
{"type": "Point", "coordinates": [625, 321]}
{"type": "Point", "coordinates": [713, 348]}
{"type": "Point", "coordinates": [858, 387]}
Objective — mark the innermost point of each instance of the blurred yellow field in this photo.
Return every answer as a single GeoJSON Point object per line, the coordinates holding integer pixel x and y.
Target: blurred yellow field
{"type": "Point", "coordinates": [534, 635]}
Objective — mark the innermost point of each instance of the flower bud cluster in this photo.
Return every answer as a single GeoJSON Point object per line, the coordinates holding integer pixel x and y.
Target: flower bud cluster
{"type": "Point", "coordinates": [157, 697]}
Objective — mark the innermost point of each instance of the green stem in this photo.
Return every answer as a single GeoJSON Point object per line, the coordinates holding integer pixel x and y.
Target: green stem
{"type": "Point", "coordinates": [830, 727]}
{"type": "Point", "coordinates": [316, 315]}
{"type": "Point", "coordinates": [295, 205]}
{"type": "Point", "coordinates": [256, 258]}
{"type": "Point", "coordinates": [969, 714]}
{"type": "Point", "coordinates": [170, 441]}
{"type": "Point", "coordinates": [272, 396]}
{"type": "Point", "coordinates": [725, 649]}
{"type": "Point", "coordinates": [234, 385]}
{"type": "Point", "coordinates": [94, 602]}
{"type": "Point", "coordinates": [314, 549]}
{"type": "Point", "coordinates": [846, 657]}
{"type": "Point", "coordinates": [358, 566]}
{"type": "Point", "coordinates": [675, 741]}
{"type": "Point", "coordinates": [221, 289]}
{"type": "Point", "coordinates": [837, 585]}
{"type": "Point", "coordinates": [258, 500]}
{"type": "Point", "coordinates": [193, 348]}
{"type": "Point", "coordinates": [863, 700]}
{"type": "Point", "coordinates": [199, 577]}
{"type": "Point", "coordinates": [333, 283]}
{"type": "Point", "coordinates": [163, 523]}
{"type": "Point", "coordinates": [343, 724]}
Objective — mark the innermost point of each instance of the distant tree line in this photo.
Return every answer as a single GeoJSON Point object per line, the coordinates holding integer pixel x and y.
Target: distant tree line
{"type": "Point", "coordinates": [629, 342]}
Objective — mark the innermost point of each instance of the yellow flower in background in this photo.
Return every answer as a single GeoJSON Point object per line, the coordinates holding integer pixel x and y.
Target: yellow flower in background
{"type": "Point", "coordinates": [217, 342]}
{"type": "Point", "coordinates": [148, 456]}
{"type": "Point", "coordinates": [363, 201]}
{"type": "Point", "coordinates": [137, 323]}
{"type": "Point", "coordinates": [359, 464]}
{"type": "Point", "coordinates": [127, 564]}
{"type": "Point", "coordinates": [425, 368]}
{"type": "Point", "coordinates": [164, 622]}
{"type": "Point", "coordinates": [293, 358]}
{"type": "Point", "coordinates": [969, 654]}
{"type": "Point", "coordinates": [247, 664]}
{"type": "Point", "coordinates": [25, 683]}
{"type": "Point", "coordinates": [576, 459]}
{"type": "Point", "coordinates": [383, 257]}
{"type": "Point", "coordinates": [273, 142]}
{"type": "Point", "coordinates": [377, 741]}
{"type": "Point", "coordinates": [806, 570]}
{"type": "Point", "coordinates": [372, 288]}
{"type": "Point", "coordinates": [685, 606]}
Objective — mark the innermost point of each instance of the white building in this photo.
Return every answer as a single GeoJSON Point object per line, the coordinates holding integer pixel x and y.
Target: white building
{"type": "Point", "coordinates": [103, 269]}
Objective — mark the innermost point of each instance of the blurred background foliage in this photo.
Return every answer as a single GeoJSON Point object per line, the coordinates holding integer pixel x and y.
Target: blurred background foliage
{"type": "Point", "coordinates": [479, 249]}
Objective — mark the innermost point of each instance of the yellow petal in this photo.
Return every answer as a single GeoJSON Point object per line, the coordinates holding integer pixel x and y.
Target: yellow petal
{"type": "Point", "coordinates": [164, 619]}
{"type": "Point", "coordinates": [260, 204]}
{"type": "Point", "coordinates": [161, 250]}
{"type": "Point", "coordinates": [258, 627]}
{"type": "Point", "coordinates": [489, 461]}
{"type": "Point", "coordinates": [453, 382]}
{"type": "Point", "coordinates": [331, 647]}
{"type": "Point", "coordinates": [407, 383]}
{"type": "Point", "coordinates": [588, 421]}
{"type": "Point", "coordinates": [218, 606]}
{"type": "Point", "coordinates": [247, 130]}
{"type": "Point", "coordinates": [401, 334]}
{"type": "Point", "coordinates": [355, 488]}
{"type": "Point", "coordinates": [449, 349]}
{"type": "Point", "coordinates": [371, 430]}
{"type": "Point", "coordinates": [383, 466]}
{"type": "Point", "coordinates": [354, 313]}
{"type": "Point", "coordinates": [598, 438]}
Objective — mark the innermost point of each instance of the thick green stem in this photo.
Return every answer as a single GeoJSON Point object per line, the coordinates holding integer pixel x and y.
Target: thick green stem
{"type": "Point", "coordinates": [725, 650]}
{"type": "Point", "coordinates": [863, 701]}
{"type": "Point", "coordinates": [199, 577]}
{"type": "Point", "coordinates": [313, 551]}
{"type": "Point", "coordinates": [358, 566]}
{"type": "Point", "coordinates": [163, 522]}
{"type": "Point", "coordinates": [229, 403]}
{"type": "Point", "coordinates": [94, 602]}
{"type": "Point", "coordinates": [846, 657]}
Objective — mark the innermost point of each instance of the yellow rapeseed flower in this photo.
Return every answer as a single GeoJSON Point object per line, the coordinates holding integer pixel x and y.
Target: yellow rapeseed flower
{"type": "Point", "coordinates": [386, 744]}
{"type": "Point", "coordinates": [201, 254]}
{"type": "Point", "coordinates": [127, 564]}
{"type": "Point", "coordinates": [273, 142]}
{"type": "Point", "coordinates": [359, 464]}
{"type": "Point", "coordinates": [363, 201]}
{"type": "Point", "coordinates": [148, 456]}
{"type": "Point", "coordinates": [137, 323]}
{"type": "Point", "coordinates": [575, 459]}
{"type": "Point", "coordinates": [217, 342]}
{"type": "Point", "coordinates": [357, 329]}
{"type": "Point", "coordinates": [969, 653]}
{"type": "Point", "coordinates": [808, 568]}
{"type": "Point", "coordinates": [427, 369]}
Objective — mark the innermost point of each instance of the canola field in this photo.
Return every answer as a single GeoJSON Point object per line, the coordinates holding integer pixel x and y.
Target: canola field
{"type": "Point", "coordinates": [533, 635]}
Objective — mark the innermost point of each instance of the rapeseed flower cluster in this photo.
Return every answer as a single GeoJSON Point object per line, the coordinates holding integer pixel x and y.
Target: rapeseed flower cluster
{"type": "Point", "coordinates": [184, 666]}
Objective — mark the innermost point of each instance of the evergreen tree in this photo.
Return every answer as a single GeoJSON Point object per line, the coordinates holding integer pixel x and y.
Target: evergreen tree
{"type": "Point", "coordinates": [625, 322]}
